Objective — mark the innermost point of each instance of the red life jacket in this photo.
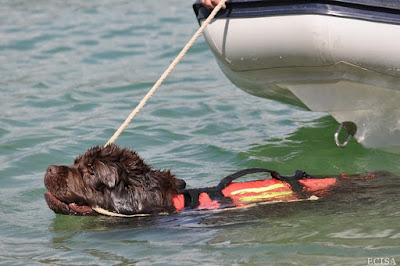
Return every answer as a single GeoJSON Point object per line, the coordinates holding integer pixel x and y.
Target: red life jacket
{"type": "Point", "coordinates": [277, 188]}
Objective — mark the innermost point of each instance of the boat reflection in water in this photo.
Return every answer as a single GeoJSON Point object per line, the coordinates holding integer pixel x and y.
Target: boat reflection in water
{"type": "Point", "coordinates": [339, 57]}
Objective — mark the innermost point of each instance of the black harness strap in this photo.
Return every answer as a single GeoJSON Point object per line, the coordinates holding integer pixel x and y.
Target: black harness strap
{"type": "Point", "coordinates": [216, 194]}
{"type": "Point", "coordinates": [191, 197]}
{"type": "Point", "coordinates": [294, 183]}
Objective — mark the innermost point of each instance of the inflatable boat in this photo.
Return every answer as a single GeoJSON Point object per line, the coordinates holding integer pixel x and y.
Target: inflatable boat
{"type": "Point", "coordinates": [340, 57]}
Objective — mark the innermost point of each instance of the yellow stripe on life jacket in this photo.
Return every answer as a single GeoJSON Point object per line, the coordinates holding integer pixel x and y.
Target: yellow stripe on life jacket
{"type": "Point", "coordinates": [258, 190]}
{"type": "Point", "coordinates": [266, 196]}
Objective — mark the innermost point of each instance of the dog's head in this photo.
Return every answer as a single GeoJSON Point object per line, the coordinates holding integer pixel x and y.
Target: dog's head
{"type": "Point", "coordinates": [111, 178]}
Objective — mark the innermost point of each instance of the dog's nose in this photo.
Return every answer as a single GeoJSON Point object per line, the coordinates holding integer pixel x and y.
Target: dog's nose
{"type": "Point", "coordinates": [52, 169]}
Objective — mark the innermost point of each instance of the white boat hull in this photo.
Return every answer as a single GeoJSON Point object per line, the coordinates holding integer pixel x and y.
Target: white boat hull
{"type": "Point", "coordinates": [346, 67]}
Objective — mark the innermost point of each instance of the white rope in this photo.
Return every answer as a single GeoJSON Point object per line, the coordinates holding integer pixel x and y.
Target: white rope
{"type": "Point", "coordinates": [113, 214]}
{"type": "Point", "coordinates": [166, 73]}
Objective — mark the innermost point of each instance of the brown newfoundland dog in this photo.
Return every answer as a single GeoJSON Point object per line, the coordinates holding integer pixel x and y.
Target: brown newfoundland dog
{"type": "Point", "coordinates": [111, 180]}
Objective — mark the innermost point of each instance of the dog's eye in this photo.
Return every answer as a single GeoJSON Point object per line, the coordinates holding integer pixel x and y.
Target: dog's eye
{"type": "Point", "coordinates": [90, 168]}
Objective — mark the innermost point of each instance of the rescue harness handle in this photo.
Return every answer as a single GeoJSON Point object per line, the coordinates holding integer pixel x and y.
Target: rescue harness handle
{"type": "Point", "coordinates": [228, 179]}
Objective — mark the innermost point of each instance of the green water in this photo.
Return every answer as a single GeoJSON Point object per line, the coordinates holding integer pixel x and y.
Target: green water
{"type": "Point", "coordinates": [71, 72]}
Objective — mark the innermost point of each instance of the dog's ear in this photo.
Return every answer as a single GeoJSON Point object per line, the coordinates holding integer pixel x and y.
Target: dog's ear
{"type": "Point", "coordinates": [180, 184]}
{"type": "Point", "coordinates": [105, 174]}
